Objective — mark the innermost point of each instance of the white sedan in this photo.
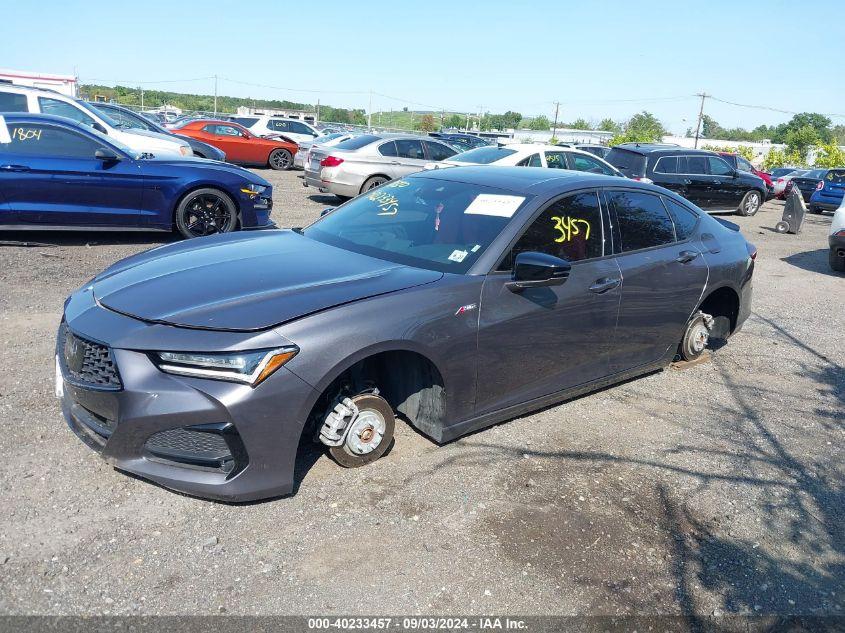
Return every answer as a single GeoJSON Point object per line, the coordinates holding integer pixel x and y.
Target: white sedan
{"type": "Point", "coordinates": [531, 155]}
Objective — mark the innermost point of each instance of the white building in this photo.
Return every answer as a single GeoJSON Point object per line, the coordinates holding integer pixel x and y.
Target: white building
{"type": "Point", "coordinates": [300, 115]}
{"type": "Point", "coordinates": [65, 84]}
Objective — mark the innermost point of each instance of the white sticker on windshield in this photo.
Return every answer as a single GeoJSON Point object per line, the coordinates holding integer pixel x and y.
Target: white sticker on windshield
{"type": "Point", "coordinates": [491, 204]}
{"type": "Point", "coordinates": [458, 256]}
{"type": "Point", "coordinates": [4, 131]}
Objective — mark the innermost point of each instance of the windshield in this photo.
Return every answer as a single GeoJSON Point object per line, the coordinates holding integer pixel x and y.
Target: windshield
{"type": "Point", "coordinates": [434, 224]}
{"type": "Point", "coordinates": [105, 118]}
{"type": "Point", "coordinates": [483, 155]}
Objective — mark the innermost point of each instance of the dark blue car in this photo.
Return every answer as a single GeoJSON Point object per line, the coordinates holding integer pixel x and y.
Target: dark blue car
{"type": "Point", "coordinates": [829, 191]}
{"type": "Point", "coordinates": [58, 174]}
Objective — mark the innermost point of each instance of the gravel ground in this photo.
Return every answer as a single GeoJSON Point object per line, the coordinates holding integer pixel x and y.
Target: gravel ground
{"type": "Point", "coordinates": [716, 489]}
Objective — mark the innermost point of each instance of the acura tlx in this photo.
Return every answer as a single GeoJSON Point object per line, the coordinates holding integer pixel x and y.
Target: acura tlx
{"type": "Point", "coordinates": [455, 298]}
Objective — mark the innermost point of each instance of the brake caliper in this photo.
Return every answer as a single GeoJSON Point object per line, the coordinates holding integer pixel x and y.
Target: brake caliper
{"type": "Point", "coordinates": [338, 422]}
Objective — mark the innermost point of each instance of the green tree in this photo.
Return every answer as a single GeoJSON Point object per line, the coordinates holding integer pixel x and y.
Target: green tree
{"type": "Point", "coordinates": [609, 125]}
{"type": "Point", "coordinates": [427, 123]}
{"type": "Point", "coordinates": [640, 128]}
{"type": "Point", "coordinates": [711, 129]}
{"type": "Point", "coordinates": [540, 123]}
{"type": "Point", "coordinates": [746, 151]}
{"type": "Point", "coordinates": [830, 155]}
{"type": "Point", "coordinates": [819, 122]}
{"type": "Point", "coordinates": [579, 124]}
{"type": "Point", "coordinates": [801, 140]}
{"type": "Point", "coordinates": [454, 121]}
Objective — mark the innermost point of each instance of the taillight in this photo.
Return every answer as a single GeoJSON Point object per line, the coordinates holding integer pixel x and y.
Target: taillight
{"type": "Point", "coordinates": [820, 186]}
{"type": "Point", "coordinates": [780, 180]}
{"type": "Point", "coordinates": [752, 250]}
{"type": "Point", "coordinates": [331, 161]}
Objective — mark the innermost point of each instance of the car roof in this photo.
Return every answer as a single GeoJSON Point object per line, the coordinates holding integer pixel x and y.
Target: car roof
{"type": "Point", "coordinates": [18, 88]}
{"type": "Point", "coordinates": [651, 148]}
{"type": "Point", "coordinates": [529, 180]}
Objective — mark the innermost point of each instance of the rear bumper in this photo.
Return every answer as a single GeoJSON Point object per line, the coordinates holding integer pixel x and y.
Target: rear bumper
{"type": "Point", "coordinates": [324, 181]}
{"type": "Point", "coordinates": [213, 439]}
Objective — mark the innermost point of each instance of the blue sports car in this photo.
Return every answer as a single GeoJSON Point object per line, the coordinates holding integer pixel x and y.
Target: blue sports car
{"type": "Point", "coordinates": [58, 174]}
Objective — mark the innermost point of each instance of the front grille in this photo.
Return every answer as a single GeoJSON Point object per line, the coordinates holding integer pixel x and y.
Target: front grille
{"type": "Point", "coordinates": [87, 362]}
{"type": "Point", "coordinates": [194, 448]}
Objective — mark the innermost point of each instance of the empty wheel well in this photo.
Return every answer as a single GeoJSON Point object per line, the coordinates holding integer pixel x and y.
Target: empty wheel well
{"type": "Point", "coordinates": [723, 305]}
{"type": "Point", "coordinates": [407, 380]}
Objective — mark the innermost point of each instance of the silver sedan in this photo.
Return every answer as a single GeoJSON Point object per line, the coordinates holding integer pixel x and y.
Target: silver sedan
{"type": "Point", "coordinates": [369, 160]}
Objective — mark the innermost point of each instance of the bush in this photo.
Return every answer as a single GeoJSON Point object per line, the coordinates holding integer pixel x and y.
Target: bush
{"type": "Point", "coordinates": [746, 151]}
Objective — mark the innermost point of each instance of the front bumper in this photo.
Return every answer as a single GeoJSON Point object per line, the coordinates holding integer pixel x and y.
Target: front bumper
{"type": "Point", "coordinates": [209, 438]}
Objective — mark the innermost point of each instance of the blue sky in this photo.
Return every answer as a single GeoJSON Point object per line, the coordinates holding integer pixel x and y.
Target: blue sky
{"type": "Point", "coordinates": [597, 58]}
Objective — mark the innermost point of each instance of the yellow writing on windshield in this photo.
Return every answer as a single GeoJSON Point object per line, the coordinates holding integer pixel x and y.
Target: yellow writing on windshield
{"type": "Point", "coordinates": [25, 135]}
{"type": "Point", "coordinates": [568, 227]}
{"type": "Point", "coordinates": [397, 184]}
{"type": "Point", "coordinates": [387, 202]}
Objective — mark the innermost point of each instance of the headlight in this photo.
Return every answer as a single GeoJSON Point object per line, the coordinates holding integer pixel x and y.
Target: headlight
{"type": "Point", "coordinates": [250, 367]}
{"type": "Point", "coordinates": [185, 150]}
{"type": "Point", "coordinates": [253, 190]}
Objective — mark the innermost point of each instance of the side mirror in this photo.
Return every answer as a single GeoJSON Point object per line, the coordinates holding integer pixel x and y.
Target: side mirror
{"type": "Point", "coordinates": [326, 211]}
{"type": "Point", "coordinates": [100, 128]}
{"type": "Point", "coordinates": [532, 270]}
{"type": "Point", "coordinates": [106, 155]}
{"type": "Point", "coordinates": [735, 173]}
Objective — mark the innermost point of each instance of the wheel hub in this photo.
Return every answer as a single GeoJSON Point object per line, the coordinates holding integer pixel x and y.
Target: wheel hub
{"type": "Point", "coordinates": [366, 433]}
{"type": "Point", "coordinates": [699, 338]}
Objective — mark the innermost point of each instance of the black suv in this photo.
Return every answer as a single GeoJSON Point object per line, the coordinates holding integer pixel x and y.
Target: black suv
{"type": "Point", "coordinates": [704, 178]}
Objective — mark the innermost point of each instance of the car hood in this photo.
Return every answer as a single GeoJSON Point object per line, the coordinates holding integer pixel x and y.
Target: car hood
{"type": "Point", "coordinates": [246, 281]}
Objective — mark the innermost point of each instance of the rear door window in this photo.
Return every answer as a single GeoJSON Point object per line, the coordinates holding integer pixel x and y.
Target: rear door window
{"type": "Point", "coordinates": [556, 160]}
{"type": "Point", "coordinates": [410, 148]}
{"type": "Point", "coordinates": [388, 149]}
{"type": "Point", "coordinates": [642, 220]}
{"type": "Point", "coordinates": [696, 165]}
{"type": "Point", "coordinates": [13, 102]}
{"type": "Point", "coordinates": [718, 166]}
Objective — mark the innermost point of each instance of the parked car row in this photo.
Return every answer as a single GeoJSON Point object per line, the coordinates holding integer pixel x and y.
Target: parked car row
{"type": "Point", "coordinates": [821, 189]}
{"type": "Point", "coordinates": [15, 98]}
{"type": "Point", "coordinates": [59, 173]}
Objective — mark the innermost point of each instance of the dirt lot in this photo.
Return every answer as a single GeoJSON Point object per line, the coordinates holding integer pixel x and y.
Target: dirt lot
{"type": "Point", "coordinates": [719, 488]}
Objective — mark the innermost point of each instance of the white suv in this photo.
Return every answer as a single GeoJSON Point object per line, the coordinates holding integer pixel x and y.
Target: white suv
{"type": "Point", "coordinates": [297, 131]}
{"type": "Point", "coordinates": [38, 101]}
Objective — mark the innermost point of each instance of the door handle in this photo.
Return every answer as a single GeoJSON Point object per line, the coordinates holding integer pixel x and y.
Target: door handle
{"type": "Point", "coordinates": [603, 285]}
{"type": "Point", "coordinates": [687, 181]}
{"type": "Point", "coordinates": [14, 167]}
{"type": "Point", "coordinates": [686, 256]}
{"type": "Point", "coordinates": [395, 162]}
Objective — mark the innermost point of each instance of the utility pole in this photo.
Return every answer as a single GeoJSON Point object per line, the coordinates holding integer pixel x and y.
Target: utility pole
{"type": "Point", "coordinates": [318, 110]}
{"type": "Point", "coordinates": [370, 113]}
{"type": "Point", "coordinates": [703, 96]}
{"type": "Point", "coordinates": [142, 98]}
{"type": "Point", "coordinates": [554, 129]}
{"type": "Point", "coordinates": [467, 127]}
{"type": "Point", "coordinates": [215, 96]}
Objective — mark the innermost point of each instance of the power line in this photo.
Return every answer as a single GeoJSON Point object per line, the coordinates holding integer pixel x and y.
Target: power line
{"type": "Point", "coordinates": [129, 82]}
{"type": "Point", "coordinates": [769, 108]}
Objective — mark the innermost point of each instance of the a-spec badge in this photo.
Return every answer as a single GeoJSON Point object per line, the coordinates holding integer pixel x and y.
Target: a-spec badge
{"type": "Point", "coordinates": [464, 309]}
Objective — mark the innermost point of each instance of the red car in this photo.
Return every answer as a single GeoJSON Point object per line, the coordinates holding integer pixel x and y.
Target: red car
{"type": "Point", "coordinates": [240, 145]}
{"type": "Point", "coordinates": [738, 162]}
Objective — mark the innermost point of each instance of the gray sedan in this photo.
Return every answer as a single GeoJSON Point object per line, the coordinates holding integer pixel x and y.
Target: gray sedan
{"type": "Point", "coordinates": [367, 161]}
{"type": "Point", "coordinates": [456, 298]}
